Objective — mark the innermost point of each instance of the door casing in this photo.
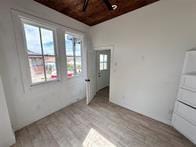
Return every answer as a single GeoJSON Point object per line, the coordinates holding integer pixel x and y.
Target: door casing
{"type": "Point", "coordinates": [111, 48]}
{"type": "Point", "coordinates": [102, 76]}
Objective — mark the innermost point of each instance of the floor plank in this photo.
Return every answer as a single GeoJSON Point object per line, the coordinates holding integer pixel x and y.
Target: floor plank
{"type": "Point", "coordinates": [101, 124]}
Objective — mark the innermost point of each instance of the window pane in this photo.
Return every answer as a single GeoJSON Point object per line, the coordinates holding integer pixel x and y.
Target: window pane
{"type": "Point", "coordinates": [78, 65]}
{"type": "Point", "coordinates": [32, 39]}
{"type": "Point", "coordinates": [47, 41]}
{"type": "Point", "coordinates": [101, 57]}
{"type": "Point", "coordinates": [70, 67]}
{"type": "Point", "coordinates": [105, 65]}
{"type": "Point", "coordinates": [50, 66]}
{"type": "Point", "coordinates": [101, 66]}
{"type": "Point", "coordinates": [105, 58]}
{"type": "Point", "coordinates": [69, 43]}
{"type": "Point", "coordinates": [78, 48]}
{"type": "Point", "coordinates": [36, 68]}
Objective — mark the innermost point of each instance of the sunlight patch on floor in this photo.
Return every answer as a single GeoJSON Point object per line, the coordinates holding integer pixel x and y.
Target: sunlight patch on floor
{"type": "Point", "coordinates": [95, 139]}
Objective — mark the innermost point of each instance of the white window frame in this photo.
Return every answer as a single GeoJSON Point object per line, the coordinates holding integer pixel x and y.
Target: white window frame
{"type": "Point", "coordinates": [44, 26]}
{"type": "Point", "coordinates": [76, 36]}
{"type": "Point", "coordinates": [104, 61]}
{"type": "Point", "coordinates": [19, 18]}
{"type": "Point", "coordinates": [60, 31]}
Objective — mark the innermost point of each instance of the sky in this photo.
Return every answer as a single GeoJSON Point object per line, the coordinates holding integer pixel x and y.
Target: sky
{"type": "Point", "coordinates": [33, 40]}
{"type": "Point", "coordinates": [69, 46]}
{"type": "Point", "coordinates": [34, 45]}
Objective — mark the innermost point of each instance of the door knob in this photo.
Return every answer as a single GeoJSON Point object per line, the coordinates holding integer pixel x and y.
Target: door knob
{"type": "Point", "coordinates": [87, 80]}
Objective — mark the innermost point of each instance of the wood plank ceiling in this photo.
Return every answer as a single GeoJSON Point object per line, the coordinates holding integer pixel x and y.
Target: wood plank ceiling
{"type": "Point", "coordinates": [96, 11]}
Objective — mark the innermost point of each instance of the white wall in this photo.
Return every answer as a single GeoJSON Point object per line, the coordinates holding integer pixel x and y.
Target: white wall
{"type": "Point", "coordinates": [26, 107]}
{"type": "Point", "coordinates": [6, 134]}
{"type": "Point", "coordinates": [149, 47]}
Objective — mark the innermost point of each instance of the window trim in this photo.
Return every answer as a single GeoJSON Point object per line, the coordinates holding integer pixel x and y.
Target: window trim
{"type": "Point", "coordinates": [75, 36]}
{"type": "Point", "coordinates": [60, 29]}
{"type": "Point", "coordinates": [44, 26]}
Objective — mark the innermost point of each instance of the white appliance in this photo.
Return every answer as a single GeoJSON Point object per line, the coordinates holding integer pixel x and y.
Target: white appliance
{"type": "Point", "coordinates": [184, 116]}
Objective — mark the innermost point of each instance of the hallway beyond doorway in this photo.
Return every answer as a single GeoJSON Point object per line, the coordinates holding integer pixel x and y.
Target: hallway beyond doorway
{"type": "Point", "coordinates": [102, 96]}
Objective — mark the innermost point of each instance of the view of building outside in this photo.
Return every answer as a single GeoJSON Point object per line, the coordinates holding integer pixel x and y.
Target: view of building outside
{"type": "Point", "coordinates": [42, 56]}
{"type": "Point", "coordinates": [41, 53]}
{"type": "Point", "coordinates": [73, 53]}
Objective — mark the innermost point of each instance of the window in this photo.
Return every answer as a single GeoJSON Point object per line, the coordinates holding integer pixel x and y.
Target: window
{"type": "Point", "coordinates": [103, 61]}
{"type": "Point", "coordinates": [73, 54]}
{"type": "Point", "coordinates": [41, 53]}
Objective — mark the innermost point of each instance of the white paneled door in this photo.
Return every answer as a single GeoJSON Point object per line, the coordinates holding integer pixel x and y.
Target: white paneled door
{"type": "Point", "coordinates": [91, 76]}
{"type": "Point", "coordinates": [102, 68]}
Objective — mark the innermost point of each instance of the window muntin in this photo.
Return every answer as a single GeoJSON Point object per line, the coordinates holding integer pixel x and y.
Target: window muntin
{"type": "Point", "coordinates": [73, 50]}
{"type": "Point", "coordinates": [41, 53]}
{"type": "Point", "coordinates": [103, 62]}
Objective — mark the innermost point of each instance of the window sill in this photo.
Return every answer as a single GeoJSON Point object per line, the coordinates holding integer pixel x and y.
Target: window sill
{"type": "Point", "coordinates": [75, 76]}
{"type": "Point", "coordinates": [44, 83]}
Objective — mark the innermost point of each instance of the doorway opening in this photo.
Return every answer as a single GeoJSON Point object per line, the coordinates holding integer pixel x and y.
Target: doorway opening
{"type": "Point", "coordinates": [103, 64]}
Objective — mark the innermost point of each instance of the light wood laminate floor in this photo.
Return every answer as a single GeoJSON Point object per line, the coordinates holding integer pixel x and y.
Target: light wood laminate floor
{"type": "Point", "coordinates": [101, 124]}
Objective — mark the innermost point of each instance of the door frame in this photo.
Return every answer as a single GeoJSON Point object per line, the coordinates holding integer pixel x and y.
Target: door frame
{"type": "Point", "coordinates": [111, 48]}
{"type": "Point", "coordinates": [101, 75]}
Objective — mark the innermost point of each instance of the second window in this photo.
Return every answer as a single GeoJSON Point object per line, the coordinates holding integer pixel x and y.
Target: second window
{"type": "Point", "coordinates": [73, 47]}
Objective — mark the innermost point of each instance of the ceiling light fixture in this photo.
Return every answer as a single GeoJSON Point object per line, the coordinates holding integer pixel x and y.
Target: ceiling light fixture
{"type": "Point", "coordinates": [114, 7]}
